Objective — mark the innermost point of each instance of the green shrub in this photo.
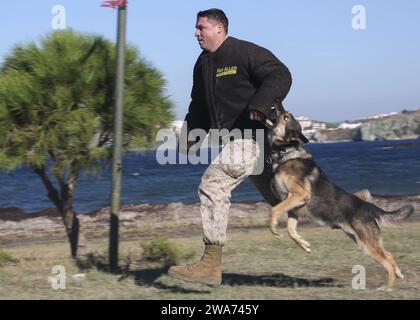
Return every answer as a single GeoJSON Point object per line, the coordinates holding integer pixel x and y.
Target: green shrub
{"type": "Point", "coordinates": [160, 249]}
{"type": "Point", "coordinates": [6, 258]}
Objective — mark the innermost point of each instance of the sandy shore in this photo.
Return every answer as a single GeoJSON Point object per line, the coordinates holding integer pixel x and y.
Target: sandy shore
{"type": "Point", "coordinates": [155, 217]}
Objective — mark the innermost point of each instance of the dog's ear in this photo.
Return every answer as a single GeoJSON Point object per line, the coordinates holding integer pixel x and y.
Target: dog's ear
{"type": "Point", "coordinates": [296, 130]}
{"type": "Point", "coordinates": [301, 138]}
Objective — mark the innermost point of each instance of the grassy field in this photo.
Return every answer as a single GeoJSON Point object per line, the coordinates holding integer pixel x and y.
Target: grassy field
{"type": "Point", "coordinates": [256, 266]}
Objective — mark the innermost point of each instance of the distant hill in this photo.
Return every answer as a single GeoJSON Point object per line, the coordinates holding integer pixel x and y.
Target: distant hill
{"type": "Point", "coordinates": [394, 126]}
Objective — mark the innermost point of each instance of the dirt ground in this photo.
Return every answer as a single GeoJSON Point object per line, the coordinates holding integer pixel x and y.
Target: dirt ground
{"type": "Point", "coordinates": [255, 266]}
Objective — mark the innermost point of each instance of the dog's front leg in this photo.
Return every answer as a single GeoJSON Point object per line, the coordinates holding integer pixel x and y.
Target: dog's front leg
{"type": "Point", "coordinates": [292, 222]}
{"type": "Point", "coordinates": [292, 201]}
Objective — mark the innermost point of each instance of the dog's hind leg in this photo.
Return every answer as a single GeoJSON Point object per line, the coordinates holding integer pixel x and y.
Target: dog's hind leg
{"type": "Point", "coordinates": [371, 242]}
{"type": "Point", "coordinates": [399, 273]}
{"type": "Point", "coordinates": [386, 260]}
{"type": "Point", "coordinates": [292, 222]}
{"type": "Point", "coordinates": [397, 270]}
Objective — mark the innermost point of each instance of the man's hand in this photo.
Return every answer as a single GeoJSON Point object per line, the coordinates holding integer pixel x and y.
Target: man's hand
{"type": "Point", "coordinates": [258, 116]}
{"type": "Point", "coordinates": [255, 115]}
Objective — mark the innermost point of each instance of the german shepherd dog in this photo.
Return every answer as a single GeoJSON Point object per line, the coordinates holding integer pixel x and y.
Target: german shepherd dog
{"type": "Point", "coordinates": [303, 187]}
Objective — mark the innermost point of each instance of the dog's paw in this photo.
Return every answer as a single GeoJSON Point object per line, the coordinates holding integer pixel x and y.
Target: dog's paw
{"type": "Point", "coordinates": [302, 245]}
{"type": "Point", "coordinates": [399, 274]}
{"type": "Point", "coordinates": [275, 234]}
{"type": "Point", "coordinates": [274, 231]}
{"type": "Point", "coordinates": [303, 241]}
{"type": "Point", "coordinates": [305, 245]}
{"type": "Point", "coordinates": [385, 289]}
{"type": "Point", "coordinates": [307, 249]}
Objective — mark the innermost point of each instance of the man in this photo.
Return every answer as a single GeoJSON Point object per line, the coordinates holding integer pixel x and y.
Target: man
{"type": "Point", "coordinates": [235, 86]}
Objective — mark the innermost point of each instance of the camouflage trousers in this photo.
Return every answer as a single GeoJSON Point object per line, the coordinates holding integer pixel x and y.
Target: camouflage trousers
{"type": "Point", "coordinates": [235, 162]}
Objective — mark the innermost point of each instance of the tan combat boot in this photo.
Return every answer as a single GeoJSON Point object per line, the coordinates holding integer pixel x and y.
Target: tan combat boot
{"type": "Point", "coordinates": [208, 270]}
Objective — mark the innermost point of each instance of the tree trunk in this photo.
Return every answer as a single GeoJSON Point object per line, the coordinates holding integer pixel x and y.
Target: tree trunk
{"type": "Point", "coordinates": [64, 203]}
{"type": "Point", "coordinates": [72, 223]}
{"type": "Point", "coordinates": [74, 234]}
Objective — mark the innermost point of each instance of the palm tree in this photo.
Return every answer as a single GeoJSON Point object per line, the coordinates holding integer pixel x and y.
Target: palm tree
{"type": "Point", "coordinates": [56, 111]}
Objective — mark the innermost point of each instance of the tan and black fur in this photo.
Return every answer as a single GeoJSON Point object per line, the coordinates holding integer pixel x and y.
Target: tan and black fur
{"type": "Point", "coordinates": [303, 186]}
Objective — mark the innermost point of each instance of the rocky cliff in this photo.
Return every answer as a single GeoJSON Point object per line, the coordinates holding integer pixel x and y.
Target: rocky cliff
{"type": "Point", "coordinates": [404, 125]}
{"type": "Point", "coordinates": [336, 135]}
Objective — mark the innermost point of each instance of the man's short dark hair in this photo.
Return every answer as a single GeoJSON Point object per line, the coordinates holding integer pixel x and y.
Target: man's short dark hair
{"type": "Point", "coordinates": [215, 15]}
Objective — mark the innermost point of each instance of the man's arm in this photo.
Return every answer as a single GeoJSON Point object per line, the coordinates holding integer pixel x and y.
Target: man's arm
{"type": "Point", "coordinates": [197, 116]}
{"type": "Point", "coordinates": [272, 79]}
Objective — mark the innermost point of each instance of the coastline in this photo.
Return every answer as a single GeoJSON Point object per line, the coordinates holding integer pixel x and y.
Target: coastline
{"type": "Point", "coordinates": [146, 220]}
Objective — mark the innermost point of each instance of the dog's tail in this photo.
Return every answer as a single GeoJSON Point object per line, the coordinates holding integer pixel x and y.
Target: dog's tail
{"type": "Point", "coordinates": [390, 217]}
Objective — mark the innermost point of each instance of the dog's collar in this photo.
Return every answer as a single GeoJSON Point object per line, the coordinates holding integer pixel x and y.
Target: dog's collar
{"type": "Point", "coordinates": [280, 147]}
{"type": "Point", "coordinates": [282, 153]}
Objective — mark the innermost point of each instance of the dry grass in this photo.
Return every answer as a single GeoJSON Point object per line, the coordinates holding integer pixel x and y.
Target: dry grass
{"type": "Point", "coordinates": [256, 266]}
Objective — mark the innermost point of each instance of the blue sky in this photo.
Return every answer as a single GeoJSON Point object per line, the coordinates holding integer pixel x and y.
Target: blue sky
{"type": "Point", "coordinates": [338, 73]}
